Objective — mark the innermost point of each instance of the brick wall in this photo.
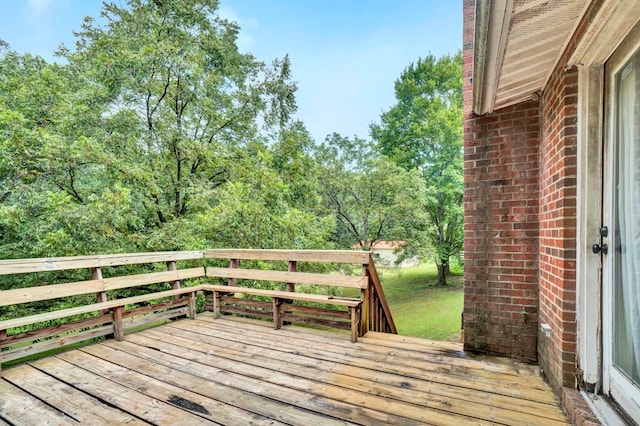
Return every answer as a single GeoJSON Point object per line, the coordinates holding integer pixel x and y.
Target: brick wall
{"type": "Point", "coordinates": [501, 222]}
{"type": "Point", "coordinates": [558, 176]}
{"type": "Point", "coordinates": [520, 220]}
{"type": "Point", "coordinates": [501, 232]}
{"type": "Point", "coordinates": [558, 205]}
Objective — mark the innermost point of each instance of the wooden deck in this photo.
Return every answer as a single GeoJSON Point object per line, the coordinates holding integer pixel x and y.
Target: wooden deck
{"type": "Point", "coordinates": [238, 372]}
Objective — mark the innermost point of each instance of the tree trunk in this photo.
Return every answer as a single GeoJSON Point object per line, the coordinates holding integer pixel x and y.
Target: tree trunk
{"type": "Point", "coordinates": [443, 272]}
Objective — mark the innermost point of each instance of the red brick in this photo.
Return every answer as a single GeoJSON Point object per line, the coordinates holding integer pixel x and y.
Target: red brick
{"type": "Point", "coordinates": [520, 220]}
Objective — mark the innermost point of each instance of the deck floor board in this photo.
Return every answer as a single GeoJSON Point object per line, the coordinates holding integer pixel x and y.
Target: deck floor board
{"type": "Point", "coordinates": [237, 372]}
{"type": "Point", "coordinates": [401, 388]}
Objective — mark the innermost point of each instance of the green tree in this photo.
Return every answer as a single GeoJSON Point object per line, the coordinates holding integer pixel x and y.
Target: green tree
{"type": "Point", "coordinates": [54, 199]}
{"type": "Point", "coordinates": [371, 198]}
{"type": "Point", "coordinates": [424, 131]}
{"type": "Point", "coordinates": [292, 159]}
{"type": "Point", "coordinates": [182, 102]}
{"type": "Point", "coordinates": [152, 137]}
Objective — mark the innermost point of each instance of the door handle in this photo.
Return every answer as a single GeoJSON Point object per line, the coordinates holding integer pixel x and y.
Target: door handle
{"type": "Point", "coordinates": [600, 248]}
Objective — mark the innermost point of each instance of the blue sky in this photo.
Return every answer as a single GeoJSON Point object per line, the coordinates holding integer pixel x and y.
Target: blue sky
{"type": "Point", "coordinates": [346, 54]}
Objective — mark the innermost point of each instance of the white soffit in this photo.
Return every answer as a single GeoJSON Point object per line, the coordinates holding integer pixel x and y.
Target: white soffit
{"type": "Point", "coordinates": [517, 44]}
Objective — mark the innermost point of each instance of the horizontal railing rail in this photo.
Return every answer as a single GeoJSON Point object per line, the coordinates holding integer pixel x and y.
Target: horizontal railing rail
{"type": "Point", "coordinates": [55, 291]}
{"type": "Point", "coordinates": [321, 256]}
{"type": "Point", "coordinates": [23, 266]}
{"type": "Point", "coordinates": [333, 280]}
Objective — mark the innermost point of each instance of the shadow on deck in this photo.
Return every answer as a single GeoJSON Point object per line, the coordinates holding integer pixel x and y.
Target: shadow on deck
{"type": "Point", "coordinates": [240, 372]}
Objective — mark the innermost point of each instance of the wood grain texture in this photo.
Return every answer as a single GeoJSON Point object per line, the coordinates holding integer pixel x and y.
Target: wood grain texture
{"type": "Point", "coordinates": [230, 371]}
{"type": "Point", "coordinates": [22, 266]}
{"type": "Point", "coordinates": [83, 407]}
{"type": "Point", "coordinates": [128, 399]}
{"type": "Point", "coordinates": [63, 313]}
{"type": "Point", "coordinates": [328, 256]}
{"type": "Point", "coordinates": [55, 343]}
{"type": "Point", "coordinates": [335, 280]}
{"type": "Point", "coordinates": [21, 408]}
{"type": "Point", "coordinates": [305, 297]}
{"type": "Point", "coordinates": [47, 292]}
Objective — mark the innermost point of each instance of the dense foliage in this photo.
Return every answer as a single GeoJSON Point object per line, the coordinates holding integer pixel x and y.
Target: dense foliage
{"type": "Point", "coordinates": [424, 131]}
{"type": "Point", "coordinates": [154, 132]}
{"type": "Point", "coordinates": [149, 137]}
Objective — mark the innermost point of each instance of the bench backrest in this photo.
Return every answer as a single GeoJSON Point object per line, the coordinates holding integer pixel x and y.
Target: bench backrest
{"type": "Point", "coordinates": [291, 276]}
{"type": "Point", "coordinates": [75, 319]}
{"type": "Point", "coordinates": [97, 284]}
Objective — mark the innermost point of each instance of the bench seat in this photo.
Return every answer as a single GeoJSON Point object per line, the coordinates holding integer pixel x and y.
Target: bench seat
{"type": "Point", "coordinates": [116, 304]}
{"type": "Point", "coordinates": [303, 297]}
{"type": "Point", "coordinates": [280, 297]}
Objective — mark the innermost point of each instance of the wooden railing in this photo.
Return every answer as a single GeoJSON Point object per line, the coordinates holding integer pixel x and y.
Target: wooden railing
{"type": "Point", "coordinates": [379, 316]}
{"type": "Point", "coordinates": [367, 311]}
{"type": "Point", "coordinates": [100, 304]}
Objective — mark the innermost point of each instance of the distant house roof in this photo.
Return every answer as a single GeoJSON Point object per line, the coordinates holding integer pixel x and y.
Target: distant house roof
{"type": "Point", "coordinates": [382, 245]}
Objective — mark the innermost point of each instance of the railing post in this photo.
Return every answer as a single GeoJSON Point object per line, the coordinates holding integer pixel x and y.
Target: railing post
{"type": "Point", "coordinates": [354, 323]}
{"type": "Point", "coordinates": [101, 296]}
{"type": "Point", "coordinates": [293, 267]}
{"type": "Point", "coordinates": [216, 304]}
{"type": "Point", "coordinates": [3, 335]}
{"type": "Point", "coordinates": [118, 326]}
{"type": "Point", "coordinates": [365, 294]}
{"type": "Point", "coordinates": [277, 321]}
{"type": "Point", "coordinates": [235, 263]}
{"type": "Point", "coordinates": [171, 266]}
{"type": "Point", "coordinates": [192, 305]}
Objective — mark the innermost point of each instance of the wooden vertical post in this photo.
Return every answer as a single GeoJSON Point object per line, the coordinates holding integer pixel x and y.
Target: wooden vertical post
{"type": "Point", "coordinates": [354, 323]}
{"type": "Point", "coordinates": [216, 304]}
{"type": "Point", "coordinates": [118, 327]}
{"type": "Point", "coordinates": [371, 308]}
{"type": "Point", "coordinates": [192, 305]}
{"type": "Point", "coordinates": [3, 335]}
{"type": "Point", "coordinates": [364, 315]}
{"type": "Point", "coordinates": [101, 296]}
{"type": "Point", "coordinates": [235, 263]}
{"type": "Point", "coordinates": [171, 266]}
{"type": "Point", "coordinates": [293, 267]}
{"type": "Point", "coordinates": [277, 321]}
{"type": "Point", "coordinates": [365, 294]}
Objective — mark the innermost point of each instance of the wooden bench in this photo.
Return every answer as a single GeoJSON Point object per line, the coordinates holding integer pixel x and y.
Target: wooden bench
{"type": "Point", "coordinates": [281, 303]}
{"type": "Point", "coordinates": [110, 316]}
{"type": "Point", "coordinates": [91, 309]}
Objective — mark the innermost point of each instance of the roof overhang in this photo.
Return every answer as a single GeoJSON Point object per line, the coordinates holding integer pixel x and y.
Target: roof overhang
{"type": "Point", "coordinates": [517, 44]}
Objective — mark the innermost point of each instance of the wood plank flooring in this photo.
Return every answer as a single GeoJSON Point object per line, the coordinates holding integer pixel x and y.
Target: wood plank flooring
{"type": "Point", "coordinates": [238, 372]}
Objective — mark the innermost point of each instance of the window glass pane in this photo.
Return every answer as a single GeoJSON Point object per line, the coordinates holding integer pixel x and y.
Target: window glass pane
{"type": "Point", "coordinates": [626, 352]}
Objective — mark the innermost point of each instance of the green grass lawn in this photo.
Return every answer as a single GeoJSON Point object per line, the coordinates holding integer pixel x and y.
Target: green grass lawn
{"type": "Point", "coordinates": [419, 308]}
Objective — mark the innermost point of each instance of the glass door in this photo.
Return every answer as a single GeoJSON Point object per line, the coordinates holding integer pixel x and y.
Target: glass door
{"type": "Point", "coordinates": [621, 267]}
